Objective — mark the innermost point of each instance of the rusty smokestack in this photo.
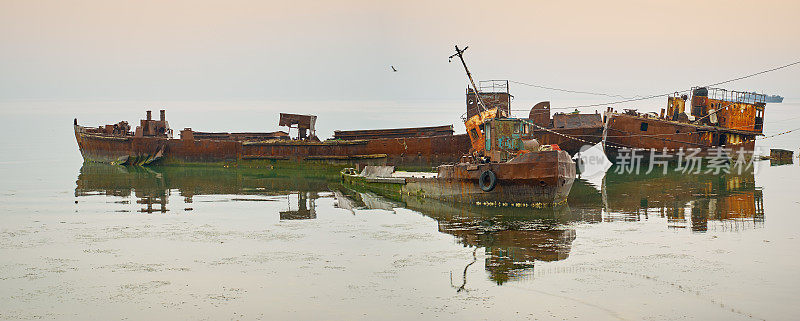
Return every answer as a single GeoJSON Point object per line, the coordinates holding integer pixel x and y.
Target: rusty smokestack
{"type": "Point", "coordinates": [163, 116]}
{"type": "Point", "coordinates": [149, 115]}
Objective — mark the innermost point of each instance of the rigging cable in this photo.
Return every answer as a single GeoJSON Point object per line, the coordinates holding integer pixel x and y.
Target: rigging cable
{"type": "Point", "coordinates": [569, 91]}
{"type": "Point", "coordinates": [646, 97]}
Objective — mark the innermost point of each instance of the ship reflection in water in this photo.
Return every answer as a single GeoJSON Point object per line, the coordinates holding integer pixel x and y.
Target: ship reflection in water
{"type": "Point", "coordinates": [700, 202]}
{"type": "Point", "coordinates": [153, 186]}
{"type": "Point", "coordinates": [513, 239]}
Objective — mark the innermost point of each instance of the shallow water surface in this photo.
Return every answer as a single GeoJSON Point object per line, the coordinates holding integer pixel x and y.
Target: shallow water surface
{"type": "Point", "coordinates": [96, 241]}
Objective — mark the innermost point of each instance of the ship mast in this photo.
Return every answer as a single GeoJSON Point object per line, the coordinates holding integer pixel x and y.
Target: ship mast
{"type": "Point", "coordinates": [460, 54]}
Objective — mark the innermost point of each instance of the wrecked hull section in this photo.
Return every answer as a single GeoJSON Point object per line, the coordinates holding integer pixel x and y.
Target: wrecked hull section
{"type": "Point", "coordinates": [626, 131]}
{"type": "Point", "coordinates": [717, 119]}
{"type": "Point", "coordinates": [119, 150]}
{"type": "Point", "coordinates": [536, 179]}
{"type": "Point", "coordinates": [424, 152]}
{"type": "Point", "coordinates": [542, 179]}
{"type": "Point", "coordinates": [570, 131]}
{"type": "Point", "coordinates": [114, 144]}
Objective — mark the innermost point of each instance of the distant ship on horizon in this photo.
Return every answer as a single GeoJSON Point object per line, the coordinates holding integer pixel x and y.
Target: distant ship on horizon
{"type": "Point", "coordinates": [754, 96]}
{"type": "Point", "coordinates": [774, 99]}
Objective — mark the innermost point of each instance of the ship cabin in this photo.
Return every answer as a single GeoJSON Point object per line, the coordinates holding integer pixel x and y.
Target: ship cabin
{"type": "Point", "coordinates": [547, 130]}
{"type": "Point", "coordinates": [729, 109]}
{"type": "Point", "coordinates": [506, 138]}
{"type": "Point", "coordinates": [740, 115]}
{"type": "Point", "coordinates": [490, 102]}
{"type": "Point", "coordinates": [492, 93]}
{"type": "Point", "coordinates": [500, 139]}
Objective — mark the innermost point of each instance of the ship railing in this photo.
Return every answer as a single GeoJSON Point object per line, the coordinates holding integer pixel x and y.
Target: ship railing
{"type": "Point", "coordinates": [493, 86]}
{"type": "Point", "coordinates": [736, 96]}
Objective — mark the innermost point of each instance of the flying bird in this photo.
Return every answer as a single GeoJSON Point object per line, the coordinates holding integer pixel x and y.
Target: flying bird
{"type": "Point", "coordinates": [393, 70]}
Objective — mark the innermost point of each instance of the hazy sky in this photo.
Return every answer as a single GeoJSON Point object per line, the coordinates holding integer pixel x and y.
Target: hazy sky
{"type": "Point", "coordinates": [342, 50]}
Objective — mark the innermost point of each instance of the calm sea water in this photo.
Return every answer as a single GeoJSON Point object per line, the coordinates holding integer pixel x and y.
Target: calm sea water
{"type": "Point", "coordinates": [91, 241]}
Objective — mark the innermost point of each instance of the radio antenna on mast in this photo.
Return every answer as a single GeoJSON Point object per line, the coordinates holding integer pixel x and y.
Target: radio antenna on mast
{"type": "Point", "coordinates": [460, 54]}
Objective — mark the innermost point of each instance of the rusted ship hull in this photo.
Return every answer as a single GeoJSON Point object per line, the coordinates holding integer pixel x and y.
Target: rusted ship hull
{"type": "Point", "coordinates": [717, 119]}
{"type": "Point", "coordinates": [569, 131]}
{"type": "Point", "coordinates": [636, 132]}
{"type": "Point", "coordinates": [119, 150]}
{"type": "Point", "coordinates": [534, 179]}
{"type": "Point", "coordinates": [408, 152]}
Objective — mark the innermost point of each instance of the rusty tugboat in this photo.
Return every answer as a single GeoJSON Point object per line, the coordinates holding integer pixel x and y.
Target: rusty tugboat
{"type": "Point", "coordinates": [502, 169]}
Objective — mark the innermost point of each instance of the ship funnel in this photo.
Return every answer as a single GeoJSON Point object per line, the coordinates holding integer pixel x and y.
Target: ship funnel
{"type": "Point", "coordinates": [163, 115]}
{"type": "Point", "coordinates": [149, 115]}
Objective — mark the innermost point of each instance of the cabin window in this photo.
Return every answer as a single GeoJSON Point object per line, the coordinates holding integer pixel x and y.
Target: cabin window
{"type": "Point", "coordinates": [473, 133]}
{"type": "Point", "coordinates": [643, 127]}
{"type": "Point", "coordinates": [487, 130]}
{"type": "Point", "coordinates": [758, 123]}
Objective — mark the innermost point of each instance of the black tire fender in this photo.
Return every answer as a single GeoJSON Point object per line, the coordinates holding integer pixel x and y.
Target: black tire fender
{"type": "Point", "coordinates": [487, 181]}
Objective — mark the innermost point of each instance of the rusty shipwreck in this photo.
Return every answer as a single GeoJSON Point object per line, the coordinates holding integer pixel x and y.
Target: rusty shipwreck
{"type": "Point", "coordinates": [152, 142]}
{"type": "Point", "coordinates": [716, 118]}
{"type": "Point", "coordinates": [419, 148]}
{"type": "Point", "coordinates": [502, 168]}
